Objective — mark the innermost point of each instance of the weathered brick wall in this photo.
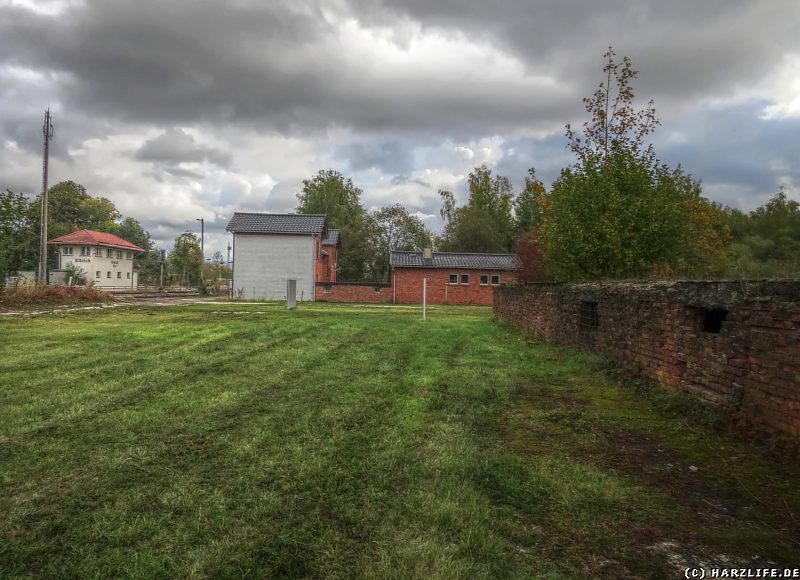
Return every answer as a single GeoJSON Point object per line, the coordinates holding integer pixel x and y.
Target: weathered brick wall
{"type": "Point", "coordinates": [408, 286]}
{"type": "Point", "coordinates": [353, 292]}
{"type": "Point", "coordinates": [733, 344]}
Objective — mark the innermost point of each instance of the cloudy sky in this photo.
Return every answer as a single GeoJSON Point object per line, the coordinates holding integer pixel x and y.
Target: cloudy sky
{"type": "Point", "coordinates": [182, 109]}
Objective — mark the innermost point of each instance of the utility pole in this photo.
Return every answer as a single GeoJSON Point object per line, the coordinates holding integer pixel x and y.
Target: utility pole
{"type": "Point", "coordinates": [47, 130]}
{"type": "Point", "coordinates": [161, 258]}
{"type": "Point", "coordinates": [202, 236]}
{"type": "Point", "coordinates": [230, 280]}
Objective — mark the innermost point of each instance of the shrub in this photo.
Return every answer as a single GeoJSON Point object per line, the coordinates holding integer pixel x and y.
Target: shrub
{"type": "Point", "coordinates": [32, 294]}
{"type": "Point", "coordinates": [75, 275]}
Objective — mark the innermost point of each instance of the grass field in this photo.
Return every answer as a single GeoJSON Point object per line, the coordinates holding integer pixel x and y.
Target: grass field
{"type": "Point", "coordinates": [342, 441]}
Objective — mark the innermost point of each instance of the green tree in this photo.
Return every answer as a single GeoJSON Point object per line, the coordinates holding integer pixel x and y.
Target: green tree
{"type": "Point", "coordinates": [395, 229]}
{"type": "Point", "coordinates": [216, 269]}
{"type": "Point", "coordinates": [486, 222]}
{"type": "Point", "coordinates": [185, 262]}
{"type": "Point", "coordinates": [618, 212]}
{"type": "Point", "coordinates": [471, 230]}
{"type": "Point", "coordinates": [70, 208]}
{"type": "Point", "coordinates": [74, 275]}
{"type": "Point", "coordinates": [18, 238]}
{"type": "Point", "coordinates": [766, 241]}
{"type": "Point", "coordinates": [330, 193]}
{"type": "Point", "coordinates": [526, 205]}
{"type": "Point", "coordinates": [131, 230]}
{"type": "Point", "coordinates": [613, 219]}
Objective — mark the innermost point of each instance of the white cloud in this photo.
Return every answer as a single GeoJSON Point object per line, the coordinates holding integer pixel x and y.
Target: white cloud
{"type": "Point", "coordinates": [466, 152]}
{"type": "Point", "coordinates": [784, 89]}
{"type": "Point", "coordinates": [45, 7]}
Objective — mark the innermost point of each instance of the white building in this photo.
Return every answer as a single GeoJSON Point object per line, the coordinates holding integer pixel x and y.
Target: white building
{"type": "Point", "coordinates": [106, 259]}
{"type": "Point", "coordinates": [269, 249]}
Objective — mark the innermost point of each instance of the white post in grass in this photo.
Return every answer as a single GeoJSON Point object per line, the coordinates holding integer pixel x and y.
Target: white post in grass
{"type": "Point", "coordinates": [424, 296]}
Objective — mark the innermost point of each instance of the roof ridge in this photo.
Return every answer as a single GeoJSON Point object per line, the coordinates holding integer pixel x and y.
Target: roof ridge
{"type": "Point", "coordinates": [282, 214]}
{"type": "Point", "coordinates": [94, 237]}
{"type": "Point", "coordinates": [456, 253]}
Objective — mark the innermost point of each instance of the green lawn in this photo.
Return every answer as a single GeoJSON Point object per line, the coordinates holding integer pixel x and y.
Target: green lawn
{"type": "Point", "coordinates": [342, 441]}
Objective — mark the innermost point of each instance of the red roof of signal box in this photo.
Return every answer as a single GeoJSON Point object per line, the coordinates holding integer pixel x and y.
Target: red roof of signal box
{"type": "Point", "coordinates": [93, 238]}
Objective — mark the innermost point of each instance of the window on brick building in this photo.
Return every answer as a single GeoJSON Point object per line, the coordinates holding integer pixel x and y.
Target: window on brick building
{"type": "Point", "coordinates": [588, 316]}
{"type": "Point", "coordinates": [484, 279]}
{"type": "Point", "coordinates": [496, 280]}
{"type": "Point", "coordinates": [465, 279]}
{"type": "Point", "coordinates": [454, 278]}
{"type": "Point", "coordinates": [327, 288]}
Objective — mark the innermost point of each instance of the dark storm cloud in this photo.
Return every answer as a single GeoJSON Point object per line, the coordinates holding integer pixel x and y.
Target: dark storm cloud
{"type": "Point", "coordinates": [175, 146]}
{"type": "Point", "coordinates": [270, 66]}
{"type": "Point", "coordinates": [403, 179]}
{"type": "Point", "coordinates": [686, 48]}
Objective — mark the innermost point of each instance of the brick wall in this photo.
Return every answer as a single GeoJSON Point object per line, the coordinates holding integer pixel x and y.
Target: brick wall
{"type": "Point", "coordinates": [353, 292]}
{"type": "Point", "coordinates": [327, 269]}
{"type": "Point", "coordinates": [733, 344]}
{"type": "Point", "coordinates": [408, 285]}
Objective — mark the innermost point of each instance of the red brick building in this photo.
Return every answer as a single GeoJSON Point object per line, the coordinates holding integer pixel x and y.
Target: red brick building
{"type": "Point", "coordinates": [452, 278]}
{"type": "Point", "coordinates": [328, 256]}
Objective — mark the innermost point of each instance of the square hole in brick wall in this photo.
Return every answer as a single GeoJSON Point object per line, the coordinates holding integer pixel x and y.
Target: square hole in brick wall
{"type": "Point", "coordinates": [712, 319]}
{"type": "Point", "coordinates": [588, 316]}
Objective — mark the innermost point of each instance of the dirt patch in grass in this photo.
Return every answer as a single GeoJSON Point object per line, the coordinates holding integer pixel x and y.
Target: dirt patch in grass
{"type": "Point", "coordinates": [689, 500]}
{"type": "Point", "coordinates": [651, 463]}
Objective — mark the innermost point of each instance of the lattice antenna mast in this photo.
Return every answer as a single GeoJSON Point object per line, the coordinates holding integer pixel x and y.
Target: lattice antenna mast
{"type": "Point", "coordinates": [47, 131]}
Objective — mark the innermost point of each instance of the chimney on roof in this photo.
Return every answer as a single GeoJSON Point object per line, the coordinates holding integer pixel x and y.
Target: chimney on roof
{"type": "Point", "coordinates": [427, 253]}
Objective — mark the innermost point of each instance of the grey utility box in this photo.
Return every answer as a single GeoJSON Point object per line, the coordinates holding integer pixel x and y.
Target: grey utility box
{"type": "Point", "coordinates": [291, 294]}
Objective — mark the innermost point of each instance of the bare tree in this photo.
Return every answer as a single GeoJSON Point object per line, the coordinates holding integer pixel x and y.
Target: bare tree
{"type": "Point", "coordinates": [613, 119]}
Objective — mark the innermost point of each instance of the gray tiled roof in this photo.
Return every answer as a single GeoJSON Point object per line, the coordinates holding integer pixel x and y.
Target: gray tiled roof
{"type": "Point", "coordinates": [331, 239]}
{"type": "Point", "coordinates": [454, 260]}
{"type": "Point", "coordinates": [276, 223]}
